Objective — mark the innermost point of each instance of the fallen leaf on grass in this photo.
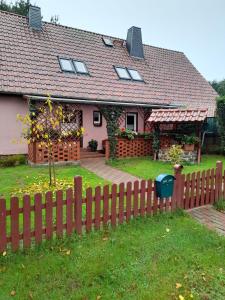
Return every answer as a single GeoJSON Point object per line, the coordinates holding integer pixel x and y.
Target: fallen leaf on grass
{"type": "Point", "coordinates": [105, 239]}
{"type": "Point", "coordinates": [98, 297]}
{"type": "Point", "coordinates": [68, 252]}
{"type": "Point", "coordinates": [4, 253]}
{"type": "Point", "coordinates": [167, 230]}
{"type": "Point", "coordinates": [181, 297]}
{"type": "Point", "coordinates": [178, 285]}
{"type": "Point", "coordinates": [13, 293]}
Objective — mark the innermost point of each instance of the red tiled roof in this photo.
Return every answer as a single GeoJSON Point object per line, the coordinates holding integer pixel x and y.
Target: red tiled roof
{"type": "Point", "coordinates": [177, 115]}
{"type": "Point", "coordinates": [29, 65]}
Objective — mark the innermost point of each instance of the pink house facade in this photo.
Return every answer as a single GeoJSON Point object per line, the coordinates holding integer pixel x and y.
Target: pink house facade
{"type": "Point", "coordinates": [90, 70]}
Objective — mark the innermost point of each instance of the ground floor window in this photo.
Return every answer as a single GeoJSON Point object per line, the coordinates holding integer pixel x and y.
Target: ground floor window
{"type": "Point", "coordinates": [132, 121]}
{"type": "Point", "coordinates": [97, 118]}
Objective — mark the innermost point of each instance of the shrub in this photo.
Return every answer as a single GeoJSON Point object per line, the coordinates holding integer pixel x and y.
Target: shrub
{"type": "Point", "coordinates": [220, 205]}
{"type": "Point", "coordinates": [175, 154]}
{"type": "Point", "coordinates": [13, 160]}
{"type": "Point", "coordinates": [190, 140]}
{"type": "Point", "coordinates": [93, 145]}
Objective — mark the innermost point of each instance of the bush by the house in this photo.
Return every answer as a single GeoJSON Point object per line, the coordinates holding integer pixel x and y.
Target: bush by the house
{"type": "Point", "coordinates": [93, 145]}
{"type": "Point", "coordinates": [175, 154]}
{"type": "Point", "coordinates": [13, 160]}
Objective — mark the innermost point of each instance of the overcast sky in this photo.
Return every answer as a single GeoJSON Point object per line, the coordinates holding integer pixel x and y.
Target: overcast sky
{"type": "Point", "coordinates": [196, 27]}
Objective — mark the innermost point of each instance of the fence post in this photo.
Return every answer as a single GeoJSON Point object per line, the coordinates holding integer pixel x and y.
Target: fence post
{"type": "Point", "coordinates": [218, 180]}
{"type": "Point", "coordinates": [78, 204]}
{"type": "Point", "coordinates": [176, 199]}
{"type": "Point", "coordinates": [107, 154]}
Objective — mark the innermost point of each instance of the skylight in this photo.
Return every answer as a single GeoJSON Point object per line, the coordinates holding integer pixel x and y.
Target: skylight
{"type": "Point", "coordinates": [66, 65]}
{"type": "Point", "coordinates": [122, 73]}
{"type": "Point", "coordinates": [107, 41]}
{"type": "Point", "coordinates": [80, 67]}
{"type": "Point", "coordinates": [135, 75]}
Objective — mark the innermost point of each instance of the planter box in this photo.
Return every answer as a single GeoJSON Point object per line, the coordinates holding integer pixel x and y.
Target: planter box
{"type": "Point", "coordinates": [67, 151]}
{"type": "Point", "coordinates": [189, 147]}
{"type": "Point", "coordinates": [130, 148]}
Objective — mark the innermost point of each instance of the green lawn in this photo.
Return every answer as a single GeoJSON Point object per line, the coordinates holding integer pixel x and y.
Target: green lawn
{"type": "Point", "coordinates": [144, 259]}
{"type": "Point", "coordinates": [147, 168]}
{"type": "Point", "coordinates": [14, 179]}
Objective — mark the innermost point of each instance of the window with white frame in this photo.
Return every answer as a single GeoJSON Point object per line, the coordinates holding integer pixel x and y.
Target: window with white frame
{"type": "Point", "coordinates": [132, 121]}
{"type": "Point", "coordinates": [97, 118]}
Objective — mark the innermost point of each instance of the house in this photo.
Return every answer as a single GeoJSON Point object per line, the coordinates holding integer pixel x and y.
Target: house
{"type": "Point", "coordinates": [87, 70]}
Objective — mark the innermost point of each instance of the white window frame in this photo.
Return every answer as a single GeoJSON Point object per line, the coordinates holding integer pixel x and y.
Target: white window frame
{"type": "Point", "coordinates": [135, 115]}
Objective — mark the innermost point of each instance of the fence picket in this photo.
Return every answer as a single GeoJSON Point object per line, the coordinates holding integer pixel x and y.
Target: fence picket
{"type": "Point", "coordinates": [105, 204]}
{"type": "Point", "coordinates": [59, 213]}
{"type": "Point", "coordinates": [97, 207]}
{"type": "Point", "coordinates": [78, 203]}
{"type": "Point", "coordinates": [207, 188]}
{"type": "Point", "coordinates": [212, 187]}
{"type": "Point", "coordinates": [89, 200]}
{"type": "Point", "coordinates": [38, 218]}
{"type": "Point", "coordinates": [142, 197]}
{"type": "Point", "coordinates": [197, 194]}
{"type": "Point", "coordinates": [136, 198]}
{"type": "Point", "coordinates": [114, 205]}
{"type": "Point", "coordinates": [3, 239]}
{"type": "Point", "coordinates": [182, 188]}
{"type": "Point", "coordinates": [224, 185]}
{"type": "Point", "coordinates": [49, 215]}
{"type": "Point", "coordinates": [128, 200]}
{"type": "Point", "coordinates": [69, 211]}
{"type": "Point", "coordinates": [202, 188]}
{"type": "Point", "coordinates": [14, 206]}
{"type": "Point", "coordinates": [187, 192]}
{"type": "Point", "coordinates": [219, 168]}
{"type": "Point", "coordinates": [155, 202]}
{"type": "Point", "coordinates": [121, 203]}
{"type": "Point", "coordinates": [149, 197]}
{"type": "Point", "coordinates": [192, 202]}
{"type": "Point", "coordinates": [26, 221]}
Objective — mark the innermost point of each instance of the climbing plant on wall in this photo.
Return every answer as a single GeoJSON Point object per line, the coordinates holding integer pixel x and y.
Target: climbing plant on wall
{"type": "Point", "coordinates": [112, 115]}
{"type": "Point", "coordinates": [220, 112]}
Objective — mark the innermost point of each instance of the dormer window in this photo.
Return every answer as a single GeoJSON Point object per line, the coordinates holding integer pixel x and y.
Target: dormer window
{"type": "Point", "coordinates": [128, 74]}
{"type": "Point", "coordinates": [73, 66]}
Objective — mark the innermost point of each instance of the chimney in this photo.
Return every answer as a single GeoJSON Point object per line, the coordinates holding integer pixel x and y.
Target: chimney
{"type": "Point", "coordinates": [34, 17]}
{"type": "Point", "coordinates": [134, 42]}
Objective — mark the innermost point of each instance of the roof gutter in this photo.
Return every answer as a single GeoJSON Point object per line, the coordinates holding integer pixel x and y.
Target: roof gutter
{"type": "Point", "coordinates": [96, 102]}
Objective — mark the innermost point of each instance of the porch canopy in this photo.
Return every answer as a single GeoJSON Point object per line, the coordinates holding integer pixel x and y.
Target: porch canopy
{"type": "Point", "coordinates": [170, 119]}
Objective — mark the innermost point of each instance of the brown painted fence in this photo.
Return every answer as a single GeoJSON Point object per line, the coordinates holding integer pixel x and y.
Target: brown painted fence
{"type": "Point", "coordinates": [43, 217]}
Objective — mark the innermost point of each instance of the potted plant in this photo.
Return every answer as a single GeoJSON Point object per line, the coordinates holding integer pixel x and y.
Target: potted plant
{"type": "Point", "coordinates": [93, 145]}
{"type": "Point", "coordinates": [189, 142]}
{"type": "Point", "coordinates": [127, 133]}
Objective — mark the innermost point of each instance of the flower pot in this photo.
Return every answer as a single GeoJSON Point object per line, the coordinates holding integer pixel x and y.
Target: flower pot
{"type": "Point", "coordinates": [189, 147]}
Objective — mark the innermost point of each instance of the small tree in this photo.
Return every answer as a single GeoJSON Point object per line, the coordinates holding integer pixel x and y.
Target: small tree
{"type": "Point", "coordinates": [44, 126]}
{"type": "Point", "coordinates": [220, 112]}
{"type": "Point", "coordinates": [175, 154]}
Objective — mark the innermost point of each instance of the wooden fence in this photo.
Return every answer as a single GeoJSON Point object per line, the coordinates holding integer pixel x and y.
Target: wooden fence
{"type": "Point", "coordinates": [43, 217]}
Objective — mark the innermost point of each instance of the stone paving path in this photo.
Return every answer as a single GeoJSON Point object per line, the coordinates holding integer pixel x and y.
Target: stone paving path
{"type": "Point", "coordinates": [210, 217]}
{"type": "Point", "coordinates": [98, 166]}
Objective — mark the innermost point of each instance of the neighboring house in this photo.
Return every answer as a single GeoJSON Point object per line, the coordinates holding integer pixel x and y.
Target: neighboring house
{"type": "Point", "coordinates": [76, 66]}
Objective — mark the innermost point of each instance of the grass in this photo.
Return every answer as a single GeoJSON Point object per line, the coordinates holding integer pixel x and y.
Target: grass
{"type": "Point", "coordinates": [220, 205]}
{"type": "Point", "coordinates": [149, 258]}
{"type": "Point", "coordinates": [147, 168]}
{"type": "Point", "coordinates": [14, 179]}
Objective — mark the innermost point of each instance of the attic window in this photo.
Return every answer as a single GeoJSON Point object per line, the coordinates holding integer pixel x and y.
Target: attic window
{"type": "Point", "coordinates": [122, 73]}
{"type": "Point", "coordinates": [135, 75]}
{"type": "Point", "coordinates": [66, 65]}
{"type": "Point", "coordinates": [107, 41]}
{"type": "Point", "coordinates": [73, 66]}
{"type": "Point", "coordinates": [80, 67]}
{"type": "Point", "coordinates": [128, 74]}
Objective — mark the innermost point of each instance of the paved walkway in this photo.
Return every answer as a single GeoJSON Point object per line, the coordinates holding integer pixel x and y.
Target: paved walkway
{"type": "Point", "coordinates": [98, 166]}
{"type": "Point", "coordinates": [210, 217]}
